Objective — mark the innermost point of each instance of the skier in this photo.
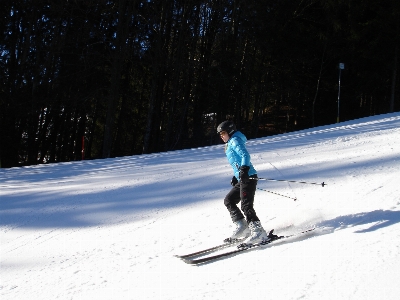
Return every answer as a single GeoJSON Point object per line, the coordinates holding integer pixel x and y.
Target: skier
{"type": "Point", "coordinates": [244, 184]}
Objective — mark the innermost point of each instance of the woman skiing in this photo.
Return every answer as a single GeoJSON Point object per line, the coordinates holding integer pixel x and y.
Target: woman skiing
{"type": "Point", "coordinates": [244, 184]}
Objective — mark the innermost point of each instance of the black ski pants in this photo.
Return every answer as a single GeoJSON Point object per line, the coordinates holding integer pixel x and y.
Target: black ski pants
{"type": "Point", "coordinates": [244, 193]}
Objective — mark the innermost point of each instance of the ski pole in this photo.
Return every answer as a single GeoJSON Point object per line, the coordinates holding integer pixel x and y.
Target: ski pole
{"type": "Point", "coordinates": [269, 179]}
{"type": "Point", "coordinates": [277, 194]}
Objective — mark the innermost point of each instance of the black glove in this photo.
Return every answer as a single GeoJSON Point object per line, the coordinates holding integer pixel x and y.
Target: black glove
{"type": "Point", "coordinates": [234, 181]}
{"type": "Point", "coordinates": [244, 174]}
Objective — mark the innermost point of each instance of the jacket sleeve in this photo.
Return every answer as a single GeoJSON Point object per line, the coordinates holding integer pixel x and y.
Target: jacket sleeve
{"type": "Point", "coordinates": [240, 148]}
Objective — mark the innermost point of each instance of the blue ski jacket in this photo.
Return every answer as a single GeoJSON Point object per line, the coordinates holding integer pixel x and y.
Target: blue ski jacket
{"type": "Point", "coordinates": [237, 154]}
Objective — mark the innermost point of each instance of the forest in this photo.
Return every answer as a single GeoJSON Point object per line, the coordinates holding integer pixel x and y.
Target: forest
{"type": "Point", "coordinates": [86, 79]}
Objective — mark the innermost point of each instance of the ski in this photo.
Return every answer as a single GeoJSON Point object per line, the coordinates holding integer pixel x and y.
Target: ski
{"type": "Point", "coordinates": [240, 248]}
{"type": "Point", "coordinates": [208, 250]}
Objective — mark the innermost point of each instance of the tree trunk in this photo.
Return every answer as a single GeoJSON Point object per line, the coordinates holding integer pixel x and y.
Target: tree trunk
{"type": "Point", "coordinates": [392, 96]}
{"type": "Point", "coordinates": [116, 68]}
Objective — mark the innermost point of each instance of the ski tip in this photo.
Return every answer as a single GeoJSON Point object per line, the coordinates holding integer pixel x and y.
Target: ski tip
{"type": "Point", "coordinates": [182, 257]}
{"type": "Point", "coordinates": [190, 261]}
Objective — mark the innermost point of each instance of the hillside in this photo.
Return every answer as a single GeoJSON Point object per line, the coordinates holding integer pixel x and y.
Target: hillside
{"type": "Point", "coordinates": [108, 229]}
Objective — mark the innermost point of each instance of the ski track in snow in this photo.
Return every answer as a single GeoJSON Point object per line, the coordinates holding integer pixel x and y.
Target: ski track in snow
{"type": "Point", "coordinates": [108, 229]}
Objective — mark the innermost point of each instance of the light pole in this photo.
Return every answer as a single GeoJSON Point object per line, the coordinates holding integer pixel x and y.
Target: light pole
{"type": "Point", "coordinates": [341, 67]}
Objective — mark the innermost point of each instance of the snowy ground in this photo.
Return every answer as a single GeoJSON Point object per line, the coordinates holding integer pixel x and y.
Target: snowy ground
{"type": "Point", "coordinates": [108, 229]}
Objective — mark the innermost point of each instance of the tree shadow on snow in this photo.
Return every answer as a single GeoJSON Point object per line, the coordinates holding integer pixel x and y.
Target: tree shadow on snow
{"type": "Point", "coordinates": [378, 219]}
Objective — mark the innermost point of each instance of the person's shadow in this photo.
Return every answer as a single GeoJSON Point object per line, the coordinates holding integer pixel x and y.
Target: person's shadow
{"type": "Point", "coordinates": [377, 218]}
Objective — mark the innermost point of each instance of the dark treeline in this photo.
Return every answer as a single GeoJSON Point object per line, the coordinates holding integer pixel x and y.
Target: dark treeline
{"type": "Point", "coordinates": [129, 77]}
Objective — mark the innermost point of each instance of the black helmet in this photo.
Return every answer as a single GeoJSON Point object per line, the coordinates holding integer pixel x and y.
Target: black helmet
{"type": "Point", "coordinates": [227, 126]}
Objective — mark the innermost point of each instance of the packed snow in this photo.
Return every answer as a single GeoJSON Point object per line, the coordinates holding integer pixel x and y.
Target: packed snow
{"type": "Point", "coordinates": [109, 229]}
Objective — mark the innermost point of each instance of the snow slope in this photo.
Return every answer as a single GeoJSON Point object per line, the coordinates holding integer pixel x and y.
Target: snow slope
{"type": "Point", "coordinates": [108, 229]}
